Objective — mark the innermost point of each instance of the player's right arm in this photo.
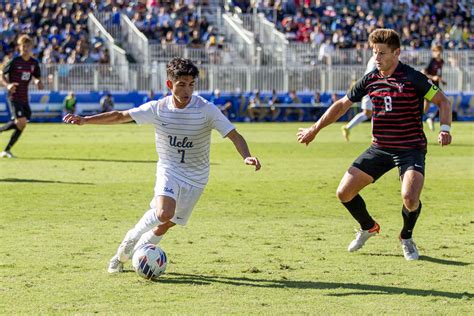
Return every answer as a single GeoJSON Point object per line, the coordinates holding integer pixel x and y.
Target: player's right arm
{"type": "Point", "coordinates": [335, 111]}
{"type": "Point", "coordinates": [113, 117]}
{"type": "Point", "coordinates": [4, 80]}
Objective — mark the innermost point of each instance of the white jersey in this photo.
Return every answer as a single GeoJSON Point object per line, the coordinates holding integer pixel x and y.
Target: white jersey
{"type": "Point", "coordinates": [366, 103]}
{"type": "Point", "coordinates": [183, 136]}
{"type": "Point", "coordinates": [370, 65]}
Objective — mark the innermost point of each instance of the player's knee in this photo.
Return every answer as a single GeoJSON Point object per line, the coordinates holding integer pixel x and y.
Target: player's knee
{"type": "Point", "coordinates": [20, 124]}
{"type": "Point", "coordinates": [344, 195]}
{"type": "Point", "coordinates": [410, 200]}
{"type": "Point", "coordinates": [165, 215]}
{"type": "Point", "coordinates": [162, 229]}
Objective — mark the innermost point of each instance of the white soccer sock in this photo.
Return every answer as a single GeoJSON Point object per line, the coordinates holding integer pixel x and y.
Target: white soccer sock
{"type": "Point", "coordinates": [146, 223]}
{"type": "Point", "coordinates": [148, 238]}
{"type": "Point", "coordinates": [359, 118]}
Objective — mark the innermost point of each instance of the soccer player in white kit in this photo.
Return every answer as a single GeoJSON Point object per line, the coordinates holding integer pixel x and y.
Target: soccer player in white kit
{"type": "Point", "coordinates": [366, 106]}
{"type": "Point", "coordinates": [183, 124]}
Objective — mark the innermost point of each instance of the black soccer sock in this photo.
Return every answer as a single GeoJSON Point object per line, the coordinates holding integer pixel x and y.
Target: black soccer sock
{"type": "Point", "coordinates": [358, 210]}
{"type": "Point", "coordinates": [8, 126]}
{"type": "Point", "coordinates": [409, 221]}
{"type": "Point", "coordinates": [14, 138]}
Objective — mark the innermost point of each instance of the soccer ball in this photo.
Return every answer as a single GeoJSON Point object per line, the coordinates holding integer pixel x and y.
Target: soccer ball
{"type": "Point", "coordinates": [149, 261]}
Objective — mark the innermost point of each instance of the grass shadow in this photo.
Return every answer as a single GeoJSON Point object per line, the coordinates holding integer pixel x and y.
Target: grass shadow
{"type": "Point", "coordinates": [89, 159]}
{"type": "Point", "coordinates": [95, 160]}
{"type": "Point", "coordinates": [16, 180]}
{"type": "Point", "coordinates": [444, 261]}
{"type": "Point", "coordinates": [423, 258]}
{"type": "Point", "coordinates": [359, 289]}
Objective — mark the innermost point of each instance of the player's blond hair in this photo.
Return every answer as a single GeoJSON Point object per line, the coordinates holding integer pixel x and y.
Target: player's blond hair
{"type": "Point", "coordinates": [385, 36]}
{"type": "Point", "coordinates": [24, 39]}
{"type": "Point", "coordinates": [437, 48]}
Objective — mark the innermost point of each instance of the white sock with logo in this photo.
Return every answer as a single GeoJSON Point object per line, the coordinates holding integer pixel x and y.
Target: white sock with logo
{"type": "Point", "coordinates": [146, 223]}
{"type": "Point", "coordinates": [359, 118]}
{"type": "Point", "coordinates": [148, 238]}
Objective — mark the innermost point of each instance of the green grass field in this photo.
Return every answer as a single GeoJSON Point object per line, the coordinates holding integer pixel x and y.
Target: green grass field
{"type": "Point", "coordinates": [271, 242]}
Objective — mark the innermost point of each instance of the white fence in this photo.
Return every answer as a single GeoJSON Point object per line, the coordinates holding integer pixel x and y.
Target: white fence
{"type": "Point", "coordinates": [92, 77]}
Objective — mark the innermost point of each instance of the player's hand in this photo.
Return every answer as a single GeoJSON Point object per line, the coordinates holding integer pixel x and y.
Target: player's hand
{"type": "Point", "coordinates": [73, 119]}
{"type": "Point", "coordinates": [444, 138]}
{"type": "Point", "coordinates": [305, 135]}
{"type": "Point", "coordinates": [253, 161]}
{"type": "Point", "coordinates": [11, 87]}
{"type": "Point", "coordinates": [40, 85]}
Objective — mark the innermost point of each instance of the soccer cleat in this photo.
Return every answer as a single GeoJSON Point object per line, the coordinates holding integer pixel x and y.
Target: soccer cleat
{"type": "Point", "coordinates": [125, 250]}
{"type": "Point", "coordinates": [362, 236]}
{"type": "Point", "coordinates": [7, 154]}
{"type": "Point", "coordinates": [115, 266]}
{"type": "Point", "coordinates": [410, 252]}
{"type": "Point", "coordinates": [345, 133]}
{"type": "Point", "coordinates": [430, 123]}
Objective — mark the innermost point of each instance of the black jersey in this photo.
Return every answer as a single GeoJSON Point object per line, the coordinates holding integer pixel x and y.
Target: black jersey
{"type": "Point", "coordinates": [435, 68]}
{"type": "Point", "coordinates": [397, 106]}
{"type": "Point", "coordinates": [21, 71]}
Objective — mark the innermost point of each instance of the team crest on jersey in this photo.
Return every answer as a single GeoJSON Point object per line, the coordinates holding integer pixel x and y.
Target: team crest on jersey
{"type": "Point", "coordinates": [400, 87]}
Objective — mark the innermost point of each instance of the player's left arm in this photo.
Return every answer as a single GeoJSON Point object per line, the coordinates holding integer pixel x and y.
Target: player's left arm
{"type": "Point", "coordinates": [243, 149]}
{"type": "Point", "coordinates": [432, 93]}
{"type": "Point", "coordinates": [437, 97]}
{"type": "Point", "coordinates": [37, 77]}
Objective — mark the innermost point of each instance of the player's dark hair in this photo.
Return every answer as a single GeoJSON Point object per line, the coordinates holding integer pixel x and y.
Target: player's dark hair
{"type": "Point", "coordinates": [385, 36]}
{"type": "Point", "coordinates": [178, 67]}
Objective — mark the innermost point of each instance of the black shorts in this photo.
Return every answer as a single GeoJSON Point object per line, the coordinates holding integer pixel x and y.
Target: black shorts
{"type": "Point", "coordinates": [376, 161]}
{"type": "Point", "coordinates": [19, 109]}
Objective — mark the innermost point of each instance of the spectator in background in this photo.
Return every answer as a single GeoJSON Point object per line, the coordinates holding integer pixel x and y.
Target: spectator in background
{"type": "Point", "coordinates": [240, 103]}
{"type": "Point", "coordinates": [149, 97]}
{"type": "Point", "coordinates": [273, 104]}
{"type": "Point", "coordinates": [69, 103]}
{"type": "Point", "coordinates": [292, 98]}
{"type": "Point", "coordinates": [326, 51]}
{"type": "Point", "coordinates": [212, 50]}
{"type": "Point", "coordinates": [319, 107]}
{"type": "Point", "coordinates": [224, 105]}
{"type": "Point", "coordinates": [256, 112]}
{"type": "Point", "coordinates": [107, 103]}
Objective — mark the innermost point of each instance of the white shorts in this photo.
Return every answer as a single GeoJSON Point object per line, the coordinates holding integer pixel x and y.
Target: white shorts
{"type": "Point", "coordinates": [366, 103]}
{"type": "Point", "coordinates": [185, 195]}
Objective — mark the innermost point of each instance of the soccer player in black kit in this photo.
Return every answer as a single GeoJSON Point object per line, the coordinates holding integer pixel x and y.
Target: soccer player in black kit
{"type": "Point", "coordinates": [397, 92]}
{"type": "Point", "coordinates": [16, 76]}
{"type": "Point", "coordinates": [434, 71]}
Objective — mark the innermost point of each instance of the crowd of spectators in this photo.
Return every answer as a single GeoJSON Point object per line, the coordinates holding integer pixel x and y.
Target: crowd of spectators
{"type": "Point", "coordinates": [58, 28]}
{"type": "Point", "coordinates": [167, 22]}
{"type": "Point", "coordinates": [346, 24]}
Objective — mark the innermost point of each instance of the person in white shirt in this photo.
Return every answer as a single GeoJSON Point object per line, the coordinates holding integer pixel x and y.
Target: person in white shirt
{"type": "Point", "coordinates": [366, 106]}
{"type": "Point", "coordinates": [183, 124]}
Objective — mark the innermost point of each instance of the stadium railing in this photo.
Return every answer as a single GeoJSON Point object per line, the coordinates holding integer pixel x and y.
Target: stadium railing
{"type": "Point", "coordinates": [242, 41]}
{"type": "Point", "coordinates": [118, 56]}
{"type": "Point", "coordinates": [95, 77]}
{"type": "Point", "coordinates": [136, 41]}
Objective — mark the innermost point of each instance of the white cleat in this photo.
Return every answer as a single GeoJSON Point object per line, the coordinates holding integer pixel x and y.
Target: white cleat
{"type": "Point", "coordinates": [410, 252]}
{"type": "Point", "coordinates": [7, 154]}
{"type": "Point", "coordinates": [362, 236]}
{"type": "Point", "coordinates": [115, 266]}
{"type": "Point", "coordinates": [125, 250]}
